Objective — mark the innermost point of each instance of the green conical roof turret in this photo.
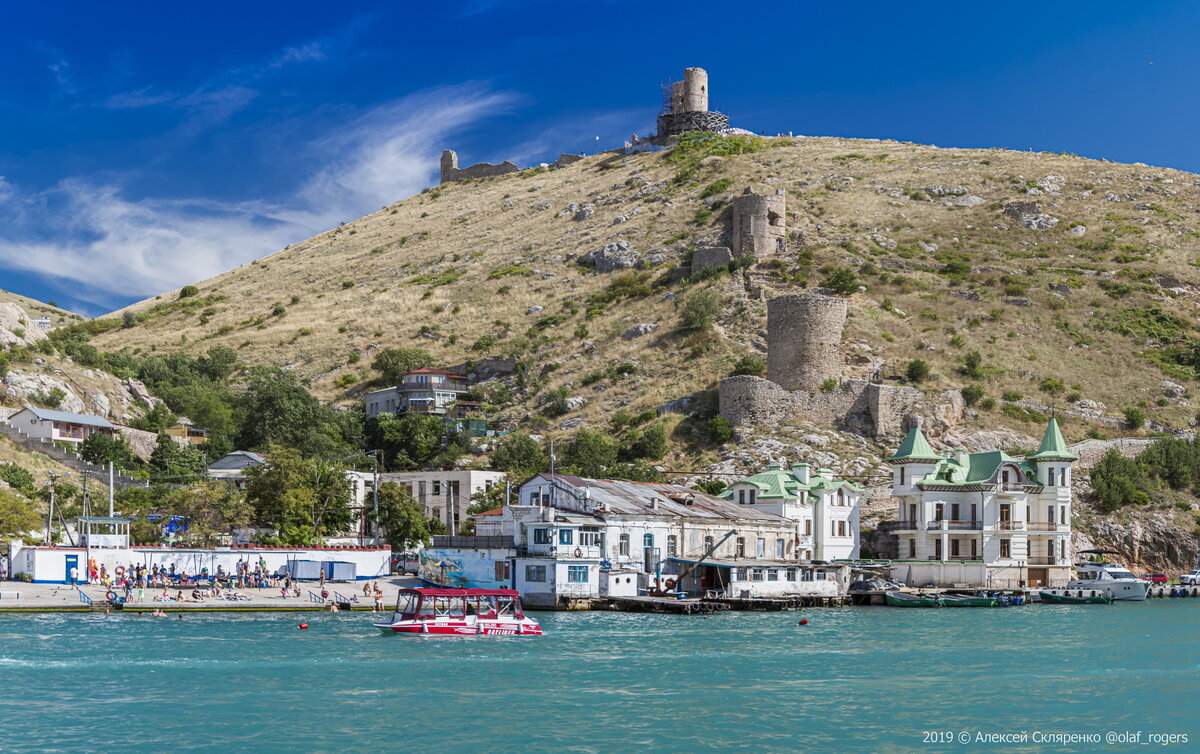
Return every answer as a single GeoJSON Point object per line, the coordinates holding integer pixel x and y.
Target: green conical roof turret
{"type": "Point", "coordinates": [914, 448]}
{"type": "Point", "coordinates": [1053, 447]}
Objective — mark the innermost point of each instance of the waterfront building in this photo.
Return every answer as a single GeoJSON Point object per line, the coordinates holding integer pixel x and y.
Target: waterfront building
{"type": "Point", "coordinates": [568, 539]}
{"type": "Point", "coordinates": [826, 509]}
{"type": "Point", "coordinates": [983, 519]}
{"type": "Point", "coordinates": [443, 494]}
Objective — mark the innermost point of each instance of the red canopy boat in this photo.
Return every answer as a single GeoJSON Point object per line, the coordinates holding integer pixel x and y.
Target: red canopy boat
{"type": "Point", "coordinates": [459, 612]}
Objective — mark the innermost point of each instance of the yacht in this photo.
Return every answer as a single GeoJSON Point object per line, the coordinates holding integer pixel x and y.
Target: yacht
{"type": "Point", "coordinates": [1115, 580]}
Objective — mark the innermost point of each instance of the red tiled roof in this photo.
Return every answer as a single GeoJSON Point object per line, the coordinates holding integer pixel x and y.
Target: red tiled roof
{"type": "Point", "coordinates": [492, 512]}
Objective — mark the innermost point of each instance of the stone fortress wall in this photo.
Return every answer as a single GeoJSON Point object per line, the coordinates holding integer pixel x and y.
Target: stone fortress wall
{"type": "Point", "coordinates": [759, 224]}
{"type": "Point", "coordinates": [803, 351]}
{"type": "Point", "coordinates": [451, 172]}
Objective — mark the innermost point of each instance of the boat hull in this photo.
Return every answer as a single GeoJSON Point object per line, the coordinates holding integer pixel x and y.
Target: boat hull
{"type": "Point", "coordinates": [900, 599]}
{"type": "Point", "coordinates": [526, 627]}
{"type": "Point", "coordinates": [1123, 590]}
{"type": "Point", "coordinates": [1051, 598]}
{"type": "Point", "coordinates": [950, 601]}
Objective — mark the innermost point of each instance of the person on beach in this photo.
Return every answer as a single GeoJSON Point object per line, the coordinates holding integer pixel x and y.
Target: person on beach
{"type": "Point", "coordinates": [141, 589]}
{"type": "Point", "coordinates": [378, 598]}
{"type": "Point", "coordinates": [74, 575]}
{"type": "Point", "coordinates": [366, 588]}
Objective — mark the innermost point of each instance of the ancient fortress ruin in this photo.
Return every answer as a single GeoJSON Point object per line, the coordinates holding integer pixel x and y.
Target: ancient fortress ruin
{"type": "Point", "coordinates": [685, 106]}
{"type": "Point", "coordinates": [806, 379]}
{"type": "Point", "coordinates": [452, 172]}
{"type": "Point", "coordinates": [759, 227]}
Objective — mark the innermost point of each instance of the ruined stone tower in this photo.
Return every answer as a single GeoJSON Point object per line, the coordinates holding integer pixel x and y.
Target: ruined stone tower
{"type": "Point", "coordinates": [759, 227]}
{"type": "Point", "coordinates": [804, 336]}
{"type": "Point", "coordinates": [449, 165]}
{"type": "Point", "coordinates": [685, 106]}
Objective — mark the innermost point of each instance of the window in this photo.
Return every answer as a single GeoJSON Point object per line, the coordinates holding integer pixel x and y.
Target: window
{"type": "Point", "coordinates": [503, 570]}
{"type": "Point", "coordinates": [791, 574]}
{"type": "Point", "coordinates": [954, 548]}
{"type": "Point", "coordinates": [901, 476]}
{"type": "Point", "coordinates": [742, 574]}
{"type": "Point", "coordinates": [779, 548]}
{"type": "Point", "coordinates": [954, 512]}
{"type": "Point", "coordinates": [487, 484]}
{"type": "Point", "coordinates": [741, 497]}
{"type": "Point", "coordinates": [421, 489]}
{"type": "Point", "coordinates": [974, 549]}
{"type": "Point", "coordinates": [1062, 515]}
{"type": "Point", "coordinates": [741, 547]}
{"type": "Point", "coordinates": [437, 487]}
{"type": "Point", "coordinates": [647, 540]}
{"type": "Point", "coordinates": [758, 574]}
{"type": "Point", "coordinates": [1050, 475]}
{"type": "Point", "coordinates": [708, 543]}
{"type": "Point", "coordinates": [1051, 518]}
{"type": "Point", "coordinates": [938, 510]}
{"type": "Point", "coordinates": [541, 536]}
{"type": "Point", "coordinates": [623, 545]}
{"type": "Point", "coordinates": [760, 549]}
{"type": "Point", "coordinates": [912, 548]}
{"type": "Point", "coordinates": [590, 536]}
{"type": "Point", "coordinates": [672, 546]}
{"type": "Point", "coordinates": [535, 573]}
{"type": "Point", "coordinates": [577, 574]}
{"type": "Point", "coordinates": [566, 536]}
{"type": "Point", "coordinates": [808, 527]}
{"type": "Point", "coordinates": [773, 574]}
{"type": "Point", "coordinates": [841, 528]}
{"type": "Point", "coordinates": [1005, 548]}
{"type": "Point", "coordinates": [753, 495]}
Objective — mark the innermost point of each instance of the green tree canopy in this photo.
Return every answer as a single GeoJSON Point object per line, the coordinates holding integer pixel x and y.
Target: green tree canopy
{"type": "Point", "coordinates": [393, 363]}
{"type": "Point", "coordinates": [213, 509]}
{"type": "Point", "coordinates": [175, 462]}
{"type": "Point", "coordinates": [304, 498]}
{"type": "Point", "coordinates": [403, 522]}
{"type": "Point", "coordinates": [407, 440]}
{"type": "Point", "coordinates": [519, 456]}
{"type": "Point", "coordinates": [18, 516]}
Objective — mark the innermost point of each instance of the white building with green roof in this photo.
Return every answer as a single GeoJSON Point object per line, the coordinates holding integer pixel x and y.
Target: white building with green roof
{"type": "Point", "coordinates": [983, 519]}
{"type": "Point", "coordinates": [825, 508]}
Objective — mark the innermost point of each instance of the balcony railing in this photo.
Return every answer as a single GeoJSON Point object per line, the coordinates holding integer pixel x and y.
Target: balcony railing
{"type": "Point", "coordinates": [472, 543]}
{"type": "Point", "coordinates": [1041, 560]}
{"type": "Point", "coordinates": [560, 551]}
{"type": "Point", "coordinates": [954, 525]}
{"type": "Point", "coordinates": [1010, 525]}
{"type": "Point", "coordinates": [963, 557]}
{"type": "Point", "coordinates": [1045, 526]}
{"type": "Point", "coordinates": [1008, 488]}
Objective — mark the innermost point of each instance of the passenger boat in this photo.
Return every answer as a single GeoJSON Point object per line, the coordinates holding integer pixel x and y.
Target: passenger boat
{"type": "Point", "coordinates": [1075, 597]}
{"type": "Point", "coordinates": [459, 612]}
{"type": "Point", "coordinates": [908, 599]}
{"type": "Point", "coordinates": [962, 600]}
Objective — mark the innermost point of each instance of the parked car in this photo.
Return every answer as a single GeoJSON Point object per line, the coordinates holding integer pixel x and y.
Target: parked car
{"type": "Point", "coordinates": [1191, 579]}
{"type": "Point", "coordinates": [405, 562]}
{"type": "Point", "coordinates": [1154, 578]}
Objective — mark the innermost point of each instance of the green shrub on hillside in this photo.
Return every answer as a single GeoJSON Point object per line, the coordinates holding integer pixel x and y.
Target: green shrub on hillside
{"type": "Point", "coordinates": [917, 370]}
{"type": "Point", "coordinates": [700, 310]}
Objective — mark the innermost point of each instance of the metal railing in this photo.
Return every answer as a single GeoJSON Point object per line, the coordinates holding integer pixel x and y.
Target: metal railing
{"type": "Point", "coordinates": [472, 543]}
{"type": "Point", "coordinates": [83, 597]}
{"type": "Point", "coordinates": [1010, 525]}
{"type": "Point", "coordinates": [1044, 526]}
{"type": "Point", "coordinates": [954, 525]}
{"type": "Point", "coordinates": [314, 597]}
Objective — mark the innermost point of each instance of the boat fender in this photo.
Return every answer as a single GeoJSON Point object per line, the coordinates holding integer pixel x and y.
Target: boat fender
{"type": "Point", "coordinates": [578, 553]}
{"type": "Point", "coordinates": [803, 622]}
{"type": "Point", "coordinates": [110, 595]}
{"type": "Point", "coordinates": [303, 625]}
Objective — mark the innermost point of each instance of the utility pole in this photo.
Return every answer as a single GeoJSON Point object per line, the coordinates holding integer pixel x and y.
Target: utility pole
{"type": "Point", "coordinates": [87, 501]}
{"type": "Point", "coordinates": [50, 511]}
{"type": "Point", "coordinates": [110, 489]}
{"type": "Point", "coordinates": [375, 490]}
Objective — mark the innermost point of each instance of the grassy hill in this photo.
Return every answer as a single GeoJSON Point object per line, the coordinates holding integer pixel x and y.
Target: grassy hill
{"type": "Point", "coordinates": [1096, 304]}
{"type": "Point", "coordinates": [36, 308]}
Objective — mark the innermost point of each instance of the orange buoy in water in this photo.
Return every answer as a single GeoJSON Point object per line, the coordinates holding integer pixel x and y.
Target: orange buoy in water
{"type": "Point", "coordinates": [303, 625]}
{"type": "Point", "coordinates": [803, 622]}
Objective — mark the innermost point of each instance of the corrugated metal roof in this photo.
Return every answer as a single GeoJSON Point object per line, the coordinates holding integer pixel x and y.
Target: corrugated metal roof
{"type": "Point", "coordinates": [46, 414]}
{"type": "Point", "coordinates": [658, 499]}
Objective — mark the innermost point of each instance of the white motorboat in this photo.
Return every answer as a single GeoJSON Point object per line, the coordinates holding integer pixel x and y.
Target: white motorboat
{"type": "Point", "coordinates": [1113, 579]}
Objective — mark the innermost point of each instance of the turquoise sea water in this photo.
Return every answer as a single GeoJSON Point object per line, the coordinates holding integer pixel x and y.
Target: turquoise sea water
{"type": "Point", "coordinates": [854, 679]}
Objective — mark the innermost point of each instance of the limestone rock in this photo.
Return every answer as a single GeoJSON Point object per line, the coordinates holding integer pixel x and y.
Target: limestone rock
{"type": "Point", "coordinates": [576, 403]}
{"type": "Point", "coordinates": [638, 331]}
{"type": "Point", "coordinates": [883, 242]}
{"type": "Point", "coordinates": [22, 385]}
{"type": "Point", "coordinates": [534, 309]}
{"type": "Point", "coordinates": [1172, 389]}
{"type": "Point", "coordinates": [17, 328]}
{"type": "Point", "coordinates": [1017, 301]}
{"type": "Point", "coordinates": [970, 200]}
{"type": "Point", "coordinates": [1079, 230]}
{"type": "Point", "coordinates": [619, 219]}
{"type": "Point", "coordinates": [1030, 215]}
{"type": "Point", "coordinates": [617, 255]}
{"type": "Point", "coordinates": [585, 212]}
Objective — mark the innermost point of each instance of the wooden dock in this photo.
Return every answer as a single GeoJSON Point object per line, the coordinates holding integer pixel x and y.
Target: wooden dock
{"type": "Point", "coordinates": [660, 605]}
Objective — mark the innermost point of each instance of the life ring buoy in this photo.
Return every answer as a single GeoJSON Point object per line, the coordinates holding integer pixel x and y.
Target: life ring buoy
{"type": "Point", "coordinates": [120, 571]}
{"type": "Point", "coordinates": [578, 553]}
{"type": "Point", "coordinates": [110, 595]}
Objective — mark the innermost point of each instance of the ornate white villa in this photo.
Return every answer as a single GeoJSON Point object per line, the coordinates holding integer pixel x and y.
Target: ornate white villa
{"type": "Point", "coordinates": [983, 519]}
{"type": "Point", "coordinates": [825, 508]}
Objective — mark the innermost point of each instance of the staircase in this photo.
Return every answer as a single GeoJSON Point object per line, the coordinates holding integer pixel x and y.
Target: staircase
{"type": "Point", "coordinates": [67, 458]}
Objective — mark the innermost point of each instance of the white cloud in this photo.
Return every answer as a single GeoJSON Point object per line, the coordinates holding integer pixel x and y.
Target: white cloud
{"type": "Point", "coordinates": [102, 244]}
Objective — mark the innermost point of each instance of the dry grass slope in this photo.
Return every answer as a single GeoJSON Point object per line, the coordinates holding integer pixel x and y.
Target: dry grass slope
{"type": "Point", "coordinates": [946, 271]}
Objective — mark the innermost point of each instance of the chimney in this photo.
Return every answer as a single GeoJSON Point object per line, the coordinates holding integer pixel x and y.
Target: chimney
{"type": "Point", "coordinates": [802, 473]}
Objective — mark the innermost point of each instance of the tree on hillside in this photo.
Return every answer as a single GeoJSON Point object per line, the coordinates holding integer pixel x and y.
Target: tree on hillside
{"type": "Point", "coordinates": [275, 409]}
{"type": "Point", "coordinates": [304, 498]}
{"type": "Point", "coordinates": [156, 419]}
{"type": "Point", "coordinates": [1118, 481]}
{"type": "Point", "coordinates": [403, 522]}
{"type": "Point", "coordinates": [393, 363]}
{"type": "Point", "coordinates": [213, 509]}
{"type": "Point", "coordinates": [100, 449]}
{"type": "Point", "coordinates": [519, 456]}
{"type": "Point", "coordinates": [18, 478]}
{"type": "Point", "coordinates": [175, 462]}
{"type": "Point", "coordinates": [408, 440]}
{"type": "Point", "coordinates": [17, 516]}
{"type": "Point", "coordinates": [591, 453]}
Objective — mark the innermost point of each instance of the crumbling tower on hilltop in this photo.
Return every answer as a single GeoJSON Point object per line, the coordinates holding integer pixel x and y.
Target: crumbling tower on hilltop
{"type": "Point", "coordinates": [685, 106]}
{"type": "Point", "coordinates": [759, 224]}
{"type": "Point", "coordinates": [804, 336]}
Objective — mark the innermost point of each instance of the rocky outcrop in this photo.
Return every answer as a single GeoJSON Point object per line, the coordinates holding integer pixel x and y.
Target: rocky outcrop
{"type": "Point", "coordinates": [617, 255]}
{"type": "Point", "coordinates": [26, 387]}
{"type": "Point", "coordinates": [17, 328]}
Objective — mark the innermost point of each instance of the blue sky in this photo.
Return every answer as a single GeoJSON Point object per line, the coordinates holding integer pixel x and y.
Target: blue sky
{"type": "Point", "coordinates": [142, 149]}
